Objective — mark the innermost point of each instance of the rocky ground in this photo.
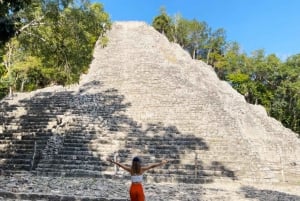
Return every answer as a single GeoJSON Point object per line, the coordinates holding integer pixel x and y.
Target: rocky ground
{"type": "Point", "coordinates": [30, 187]}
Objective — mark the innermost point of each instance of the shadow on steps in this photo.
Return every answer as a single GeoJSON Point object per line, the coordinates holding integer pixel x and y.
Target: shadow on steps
{"type": "Point", "coordinates": [54, 134]}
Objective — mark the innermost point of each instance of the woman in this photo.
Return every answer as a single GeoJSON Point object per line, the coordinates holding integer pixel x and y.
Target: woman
{"type": "Point", "coordinates": [136, 171]}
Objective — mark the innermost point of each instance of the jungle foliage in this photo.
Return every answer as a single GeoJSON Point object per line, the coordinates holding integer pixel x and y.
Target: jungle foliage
{"type": "Point", "coordinates": [262, 79]}
{"type": "Point", "coordinates": [52, 42]}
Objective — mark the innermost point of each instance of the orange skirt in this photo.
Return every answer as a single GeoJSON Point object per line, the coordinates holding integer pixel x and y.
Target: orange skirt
{"type": "Point", "coordinates": [136, 192]}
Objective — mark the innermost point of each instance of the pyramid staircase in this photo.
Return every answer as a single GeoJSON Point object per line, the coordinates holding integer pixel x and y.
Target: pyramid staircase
{"type": "Point", "coordinates": [26, 128]}
{"type": "Point", "coordinates": [54, 137]}
{"type": "Point", "coordinates": [170, 107]}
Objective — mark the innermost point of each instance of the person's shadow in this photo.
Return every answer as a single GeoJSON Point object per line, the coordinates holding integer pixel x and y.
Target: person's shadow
{"type": "Point", "coordinates": [267, 195]}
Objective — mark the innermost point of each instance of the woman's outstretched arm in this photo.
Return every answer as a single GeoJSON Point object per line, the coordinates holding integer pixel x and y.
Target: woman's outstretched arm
{"type": "Point", "coordinates": [154, 165]}
{"type": "Point", "coordinates": [127, 168]}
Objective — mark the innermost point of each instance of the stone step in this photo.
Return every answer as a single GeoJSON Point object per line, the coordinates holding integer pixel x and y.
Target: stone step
{"type": "Point", "coordinates": [38, 137]}
{"type": "Point", "coordinates": [77, 143]}
{"type": "Point", "coordinates": [15, 156]}
{"type": "Point", "coordinates": [161, 140]}
{"type": "Point", "coordinates": [172, 178]}
{"type": "Point", "coordinates": [165, 151]}
{"type": "Point", "coordinates": [79, 138]}
{"type": "Point", "coordinates": [170, 148]}
{"type": "Point", "coordinates": [71, 140]}
{"type": "Point", "coordinates": [6, 136]}
{"type": "Point", "coordinates": [52, 167]}
{"type": "Point", "coordinates": [19, 151]}
{"type": "Point", "coordinates": [88, 126]}
{"type": "Point", "coordinates": [27, 146]}
{"type": "Point", "coordinates": [162, 145]}
{"type": "Point", "coordinates": [158, 156]}
{"type": "Point", "coordinates": [22, 141]}
{"type": "Point", "coordinates": [75, 148]}
{"type": "Point", "coordinates": [31, 127]}
{"type": "Point", "coordinates": [36, 133]}
{"type": "Point", "coordinates": [38, 121]}
{"type": "Point", "coordinates": [21, 137]}
{"type": "Point", "coordinates": [54, 172]}
{"type": "Point", "coordinates": [58, 162]}
{"type": "Point", "coordinates": [69, 167]}
{"type": "Point", "coordinates": [75, 157]}
{"type": "Point", "coordinates": [9, 172]}
{"type": "Point", "coordinates": [20, 148]}
{"type": "Point", "coordinates": [179, 179]}
{"type": "Point", "coordinates": [74, 152]}
{"type": "Point", "coordinates": [183, 171]}
{"type": "Point", "coordinates": [13, 166]}
{"type": "Point", "coordinates": [15, 161]}
{"type": "Point", "coordinates": [45, 114]}
{"type": "Point", "coordinates": [10, 123]}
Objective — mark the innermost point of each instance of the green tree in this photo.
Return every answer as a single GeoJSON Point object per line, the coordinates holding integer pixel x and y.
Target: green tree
{"type": "Point", "coordinates": [10, 22]}
{"type": "Point", "coordinates": [286, 105]}
{"type": "Point", "coordinates": [181, 27]}
{"type": "Point", "coordinates": [163, 24]}
{"type": "Point", "coordinates": [232, 61]}
{"type": "Point", "coordinates": [215, 46]}
{"type": "Point", "coordinates": [4, 87]}
{"type": "Point", "coordinates": [66, 38]}
{"type": "Point", "coordinates": [55, 43]}
{"type": "Point", "coordinates": [198, 35]}
{"type": "Point", "coordinates": [27, 73]}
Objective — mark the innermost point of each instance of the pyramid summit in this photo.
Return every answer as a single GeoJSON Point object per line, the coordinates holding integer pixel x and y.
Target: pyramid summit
{"type": "Point", "coordinates": [145, 96]}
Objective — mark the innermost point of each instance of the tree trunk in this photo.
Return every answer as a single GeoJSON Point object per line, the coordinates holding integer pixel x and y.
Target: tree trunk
{"type": "Point", "coordinates": [10, 92]}
{"type": "Point", "coordinates": [194, 53]}
{"type": "Point", "coordinates": [22, 85]}
{"type": "Point", "coordinates": [207, 56]}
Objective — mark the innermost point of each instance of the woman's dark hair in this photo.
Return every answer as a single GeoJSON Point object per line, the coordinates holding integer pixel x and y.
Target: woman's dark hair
{"type": "Point", "coordinates": [136, 165]}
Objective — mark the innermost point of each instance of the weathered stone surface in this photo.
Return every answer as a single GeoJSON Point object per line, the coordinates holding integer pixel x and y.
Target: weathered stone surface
{"type": "Point", "coordinates": [30, 187]}
{"type": "Point", "coordinates": [167, 89]}
{"type": "Point", "coordinates": [144, 96]}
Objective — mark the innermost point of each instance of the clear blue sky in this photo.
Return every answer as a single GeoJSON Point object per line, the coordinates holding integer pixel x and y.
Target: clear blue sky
{"type": "Point", "coordinates": [272, 25]}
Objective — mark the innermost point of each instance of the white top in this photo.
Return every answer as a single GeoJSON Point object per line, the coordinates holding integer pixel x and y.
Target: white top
{"type": "Point", "coordinates": [136, 178]}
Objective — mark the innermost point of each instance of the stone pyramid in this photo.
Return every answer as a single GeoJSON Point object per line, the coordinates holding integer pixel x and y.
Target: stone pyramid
{"type": "Point", "coordinates": [145, 96]}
